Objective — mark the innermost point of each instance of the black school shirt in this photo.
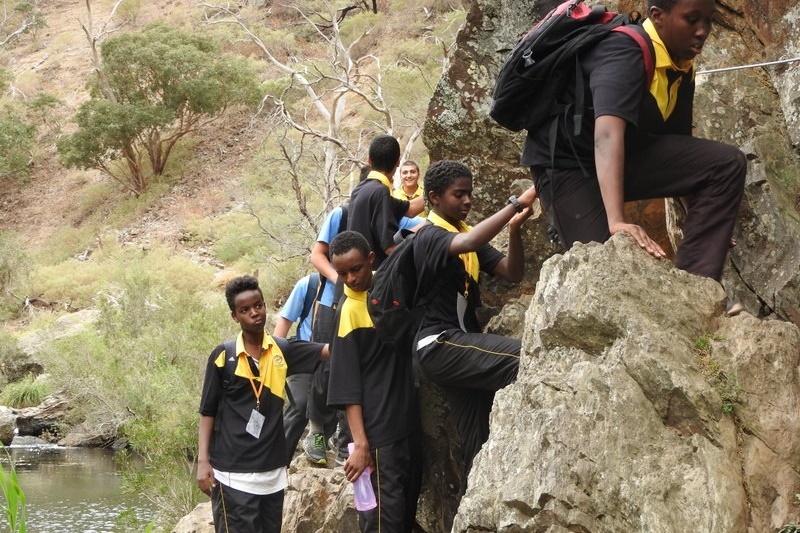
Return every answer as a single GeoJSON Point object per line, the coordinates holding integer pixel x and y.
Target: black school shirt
{"type": "Point", "coordinates": [445, 274]}
{"type": "Point", "coordinates": [367, 373]}
{"type": "Point", "coordinates": [232, 449]}
{"type": "Point", "coordinates": [374, 213]}
{"type": "Point", "coordinates": [615, 83]}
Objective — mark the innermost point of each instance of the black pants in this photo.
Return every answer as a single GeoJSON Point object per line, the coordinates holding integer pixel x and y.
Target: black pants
{"type": "Point", "coordinates": [470, 368]}
{"type": "Point", "coordinates": [396, 480]}
{"type": "Point", "coordinates": [240, 512]}
{"type": "Point", "coordinates": [709, 174]}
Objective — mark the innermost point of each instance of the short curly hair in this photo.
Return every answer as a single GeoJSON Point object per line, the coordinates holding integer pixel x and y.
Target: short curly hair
{"type": "Point", "coordinates": [239, 285]}
{"type": "Point", "coordinates": [348, 240]}
{"type": "Point", "coordinates": [441, 174]}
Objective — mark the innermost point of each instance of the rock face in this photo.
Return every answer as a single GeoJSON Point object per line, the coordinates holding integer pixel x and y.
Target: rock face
{"type": "Point", "coordinates": [755, 109]}
{"type": "Point", "coordinates": [639, 407]}
{"type": "Point", "coordinates": [8, 424]}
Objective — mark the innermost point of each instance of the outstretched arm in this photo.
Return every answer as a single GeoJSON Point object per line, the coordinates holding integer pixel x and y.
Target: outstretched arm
{"type": "Point", "coordinates": [609, 154]}
{"type": "Point", "coordinates": [485, 231]}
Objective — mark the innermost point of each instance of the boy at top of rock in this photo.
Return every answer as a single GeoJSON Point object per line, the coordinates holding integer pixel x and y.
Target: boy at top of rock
{"type": "Point", "coordinates": [241, 460]}
{"type": "Point", "coordinates": [640, 144]}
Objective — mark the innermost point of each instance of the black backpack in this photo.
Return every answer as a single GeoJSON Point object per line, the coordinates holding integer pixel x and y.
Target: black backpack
{"type": "Point", "coordinates": [535, 74]}
{"type": "Point", "coordinates": [397, 301]}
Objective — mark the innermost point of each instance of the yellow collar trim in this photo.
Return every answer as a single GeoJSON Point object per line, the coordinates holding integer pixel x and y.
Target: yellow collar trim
{"type": "Point", "coordinates": [666, 94]}
{"type": "Point", "coordinates": [470, 259]}
{"type": "Point", "coordinates": [375, 175]}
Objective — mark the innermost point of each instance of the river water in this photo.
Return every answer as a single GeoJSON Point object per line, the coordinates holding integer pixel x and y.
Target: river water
{"type": "Point", "coordinates": [72, 490]}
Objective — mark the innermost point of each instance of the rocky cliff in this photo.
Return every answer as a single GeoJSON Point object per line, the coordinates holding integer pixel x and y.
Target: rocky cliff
{"type": "Point", "coordinates": [640, 407]}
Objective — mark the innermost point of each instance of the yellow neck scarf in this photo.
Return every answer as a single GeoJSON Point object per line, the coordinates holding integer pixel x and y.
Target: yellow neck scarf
{"type": "Point", "coordinates": [470, 259]}
{"type": "Point", "coordinates": [666, 95]}
{"type": "Point", "coordinates": [375, 175]}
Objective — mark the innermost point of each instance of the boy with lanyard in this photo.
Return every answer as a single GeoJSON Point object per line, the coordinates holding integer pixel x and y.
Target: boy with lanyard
{"type": "Point", "coordinates": [241, 459]}
{"type": "Point", "coordinates": [640, 145]}
{"type": "Point", "coordinates": [469, 365]}
{"type": "Point", "coordinates": [374, 384]}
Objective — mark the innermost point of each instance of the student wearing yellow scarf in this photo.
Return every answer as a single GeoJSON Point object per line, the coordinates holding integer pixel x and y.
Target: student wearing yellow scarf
{"type": "Point", "coordinates": [640, 144]}
{"type": "Point", "coordinates": [469, 365]}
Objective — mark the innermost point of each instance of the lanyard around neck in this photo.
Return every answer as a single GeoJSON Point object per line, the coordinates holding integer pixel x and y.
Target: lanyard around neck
{"type": "Point", "coordinates": [252, 378]}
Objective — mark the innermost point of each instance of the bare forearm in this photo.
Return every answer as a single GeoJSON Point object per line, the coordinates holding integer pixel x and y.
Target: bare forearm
{"type": "Point", "coordinates": [206, 429]}
{"type": "Point", "coordinates": [282, 327]}
{"type": "Point", "coordinates": [609, 150]}
{"type": "Point", "coordinates": [319, 259]}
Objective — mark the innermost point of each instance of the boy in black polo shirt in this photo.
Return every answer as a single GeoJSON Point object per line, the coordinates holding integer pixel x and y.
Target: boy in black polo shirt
{"type": "Point", "coordinates": [374, 212]}
{"type": "Point", "coordinates": [241, 459]}
{"type": "Point", "coordinates": [637, 144]}
{"type": "Point", "coordinates": [469, 365]}
{"type": "Point", "coordinates": [374, 384]}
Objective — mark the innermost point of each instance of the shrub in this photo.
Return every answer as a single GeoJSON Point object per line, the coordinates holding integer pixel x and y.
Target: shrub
{"type": "Point", "coordinates": [28, 392]}
{"type": "Point", "coordinates": [148, 355]}
{"type": "Point", "coordinates": [16, 144]}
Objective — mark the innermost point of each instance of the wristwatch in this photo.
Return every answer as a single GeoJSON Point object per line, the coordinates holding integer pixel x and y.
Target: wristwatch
{"type": "Point", "coordinates": [513, 201]}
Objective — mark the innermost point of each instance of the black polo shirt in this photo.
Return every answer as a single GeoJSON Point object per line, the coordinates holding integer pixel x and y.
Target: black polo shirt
{"type": "Point", "coordinates": [364, 372]}
{"type": "Point", "coordinates": [445, 274]}
{"type": "Point", "coordinates": [615, 84]}
{"type": "Point", "coordinates": [374, 213]}
{"type": "Point", "coordinates": [232, 448]}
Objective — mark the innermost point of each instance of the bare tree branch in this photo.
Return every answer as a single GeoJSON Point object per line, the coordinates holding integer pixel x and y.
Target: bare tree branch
{"type": "Point", "coordinates": [93, 40]}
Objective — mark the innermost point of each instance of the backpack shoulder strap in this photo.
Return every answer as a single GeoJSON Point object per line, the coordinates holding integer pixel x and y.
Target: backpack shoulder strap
{"type": "Point", "coordinates": [230, 362]}
{"type": "Point", "coordinates": [343, 221]}
{"type": "Point", "coordinates": [646, 46]}
{"type": "Point", "coordinates": [311, 295]}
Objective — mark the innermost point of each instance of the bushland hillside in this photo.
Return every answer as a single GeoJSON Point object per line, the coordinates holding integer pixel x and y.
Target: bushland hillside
{"type": "Point", "coordinates": [130, 202]}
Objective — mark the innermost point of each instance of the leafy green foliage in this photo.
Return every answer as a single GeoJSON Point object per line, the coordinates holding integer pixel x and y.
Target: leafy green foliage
{"type": "Point", "coordinates": [148, 354]}
{"type": "Point", "coordinates": [16, 144]}
{"type": "Point", "coordinates": [42, 107]}
{"type": "Point", "coordinates": [22, 18]}
{"type": "Point", "coordinates": [157, 86]}
{"type": "Point", "coordinates": [13, 272]}
{"type": "Point", "coordinates": [27, 392]}
{"type": "Point", "coordinates": [14, 507]}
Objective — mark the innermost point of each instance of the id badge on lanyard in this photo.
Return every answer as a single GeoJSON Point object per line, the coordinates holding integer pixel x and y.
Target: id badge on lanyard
{"type": "Point", "coordinates": [256, 422]}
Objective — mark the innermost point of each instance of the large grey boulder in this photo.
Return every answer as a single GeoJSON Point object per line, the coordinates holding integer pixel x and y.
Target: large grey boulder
{"type": "Point", "coordinates": [639, 407]}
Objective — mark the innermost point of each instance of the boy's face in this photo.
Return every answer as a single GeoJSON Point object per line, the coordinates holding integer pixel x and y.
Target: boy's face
{"type": "Point", "coordinates": [354, 269]}
{"type": "Point", "coordinates": [685, 28]}
{"type": "Point", "coordinates": [410, 175]}
{"type": "Point", "coordinates": [249, 311]}
{"type": "Point", "coordinates": [455, 203]}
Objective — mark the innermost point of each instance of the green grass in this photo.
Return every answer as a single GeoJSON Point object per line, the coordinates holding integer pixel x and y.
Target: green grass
{"type": "Point", "coordinates": [724, 383]}
{"type": "Point", "coordinates": [27, 392]}
{"type": "Point", "coordinates": [14, 496]}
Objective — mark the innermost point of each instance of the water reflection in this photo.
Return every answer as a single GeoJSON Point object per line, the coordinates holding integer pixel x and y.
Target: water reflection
{"type": "Point", "coordinates": [71, 489]}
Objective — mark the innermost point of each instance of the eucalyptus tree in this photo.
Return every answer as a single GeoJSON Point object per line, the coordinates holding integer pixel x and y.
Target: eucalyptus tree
{"type": "Point", "coordinates": [158, 86]}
